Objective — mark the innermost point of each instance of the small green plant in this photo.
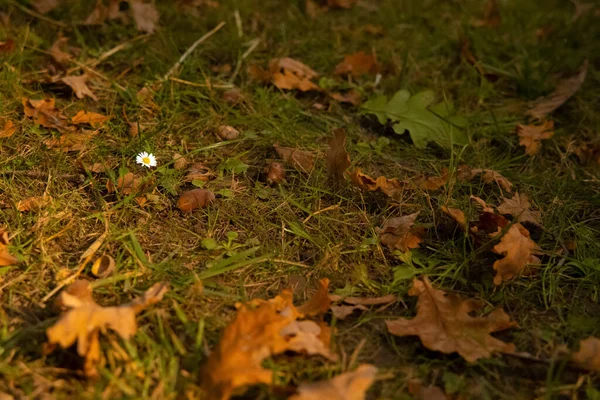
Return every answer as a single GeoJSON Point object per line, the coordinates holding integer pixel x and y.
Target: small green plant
{"type": "Point", "coordinates": [229, 248]}
{"type": "Point", "coordinates": [424, 123]}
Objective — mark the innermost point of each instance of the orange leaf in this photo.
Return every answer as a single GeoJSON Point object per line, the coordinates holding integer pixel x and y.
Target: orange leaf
{"type": "Point", "coordinates": [299, 159]}
{"type": "Point", "coordinates": [86, 117]}
{"type": "Point", "coordinates": [6, 258]}
{"type": "Point", "coordinates": [456, 215]}
{"type": "Point", "coordinates": [288, 74]}
{"type": "Point", "coordinates": [338, 159]}
{"type": "Point", "coordinates": [275, 173]}
{"type": "Point", "coordinates": [46, 114]}
{"type": "Point", "coordinates": [491, 176]}
{"type": "Point", "coordinates": [346, 386]}
{"type": "Point", "coordinates": [444, 323]}
{"type": "Point", "coordinates": [127, 184]}
{"type": "Point", "coordinates": [531, 136]}
{"type": "Point", "coordinates": [351, 96]}
{"type": "Point", "coordinates": [195, 198]}
{"type": "Point", "coordinates": [516, 246]}
{"type": "Point", "coordinates": [357, 64]}
{"type": "Point", "coordinates": [390, 187]}
{"type": "Point", "coordinates": [319, 303]}
{"type": "Point", "coordinates": [399, 233]}
{"type": "Point", "coordinates": [33, 203]}
{"type": "Point", "coordinates": [71, 141]}
{"type": "Point", "coordinates": [8, 128]}
{"type": "Point", "coordinates": [588, 356]}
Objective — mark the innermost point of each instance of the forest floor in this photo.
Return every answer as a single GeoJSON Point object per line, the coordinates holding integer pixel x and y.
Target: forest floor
{"type": "Point", "coordinates": [71, 192]}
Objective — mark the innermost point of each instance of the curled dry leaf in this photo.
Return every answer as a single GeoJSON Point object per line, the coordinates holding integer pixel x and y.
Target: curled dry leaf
{"type": "Point", "coordinates": [71, 141]}
{"type": "Point", "coordinates": [46, 114]}
{"type": "Point", "coordinates": [275, 173]}
{"type": "Point", "coordinates": [199, 172]}
{"type": "Point", "coordinates": [7, 128]}
{"type": "Point", "coordinates": [126, 184]}
{"type": "Point", "coordinates": [34, 203]}
{"type": "Point", "coordinates": [444, 323]}
{"type": "Point", "coordinates": [179, 162]}
{"type": "Point", "coordinates": [516, 246]}
{"type": "Point", "coordinates": [371, 301]}
{"type": "Point", "coordinates": [531, 136]}
{"type": "Point", "coordinates": [6, 258]}
{"type": "Point", "coordinates": [491, 176]}
{"type": "Point", "coordinates": [482, 204]}
{"type": "Point", "coordinates": [287, 74]}
{"type": "Point", "coordinates": [543, 106]}
{"type": "Point", "coordinates": [351, 96]}
{"type": "Point", "coordinates": [457, 215]}
{"type": "Point", "coordinates": [79, 86]}
{"type": "Point", "coordinates": [84, 320]}
{"type": "Point", "coordinates": [346, 386]}
{"type": "Point", "coordinates": [308, 337]}
{"type": "Point", "coordinates": [300, 159]}
{"type": "Point", "coordinates": [58, 54]}
{"type": "Point", "coordinates": [518, 207]}
{"type": "Point", "coordinates": [357, 64]}
{"type": "Point", "coordinates": [390, 187]}
{"type": "Point", "coordinates": [93, 119]}
{"type": "Point", "coordinates": [588, 356]}
{"type": "Point", "coordinates": [103, 266]}
{"type": "Point", "coordinates": [338, 159]}
{"type": "Point", "coordinates": [399, 233]}
{"type": "Point", "coordinates": [227, 132]}
{"type": "Point", "coordinates": [319, 302]}
{"type": "Point", "coordinates": [433, 182]}
{"type": "Point", "coordinates": [196, 198]}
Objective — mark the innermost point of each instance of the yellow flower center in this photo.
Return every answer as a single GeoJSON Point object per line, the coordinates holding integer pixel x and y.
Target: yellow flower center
{"type": "Point", "coordinates": [146, 160]}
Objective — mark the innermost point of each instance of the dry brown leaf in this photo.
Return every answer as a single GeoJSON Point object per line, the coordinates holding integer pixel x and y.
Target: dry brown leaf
{"type": "Point", "coordinates": [199, 172]}
{"type": "Point", "coordinates": [543, 106]}
{"type": "Point", "coordinates": [301, 160]}
{"type": "Point", "coordinates": [33, 203]}
{"type": "Point", "coordinates": [341, 3]}
{"type": "Point", "coordinates": [312, 9]}
{"type": "Point", "coordinates": [8, 46]}
{"type": "Point", "coordinates": [8, 128]}
{"type": "Point", "coordinates": [491, 176]}
{"type": "Point", "coordinates": [444, 323]}
{"type": "Point", "coordinates": [390, 187]}
{"type": "Point", "coordinates": [275, 173]}
{"type": "Point", "coordinates": [46, 114]}
{"type": "Point", "coordinates": [531, 136]}
{"type": "Point", "coordinates": [342, 311]}
{"type": "Point", "coordinates": [346, 386]}
{"type": "Point", "coordinates": [399, 233]}
{"type": "Point", "coordinates": [516, 246]}
{"type": "Point", "coordinates": [588, 356]}
{"type": "Point", "coordinates": [127, 184]}
{"type": "Point", "coordinates": [287, 73]}
{"type": "Point", "coordinates": [432, 182]}
{"type": "Point", "coordinates": [305, 337]}
{"type": "Point", "coordinates": [227, 132]}
{"type": "Point", "coordinates": [357, 64]}
{"type": "Point", "coordinates": [79, 86]}
{"type": "Point", "coordinates": [581, 9]}
{"type": "Point", "coordinates": [195, 198]}
{"type": "Point", "coordinates": [416, 388]}
{"type": "Point", "coordinates": [6, 258]}
{"type": "Point", "coordinates": [319, 302]}
{"type": "Point", "coordinates": [518, 207]}
{"type": "Point", "coordinates": [481, 203]}
{"type": "Point", "coordinates": [457, 215]}
{"type": "Point", "coordinates": [491, 15]}
{"type": "Point", "coordinates": [71, 141]}
{"type": "Point", "coordinates": [179, 162]}
{"type": "Point", "coordinates": [45, 6]}
{"type": "Point", "coordinates": [145, 15]}
{"type": "Point", "coordinates": [371, 301]}
{"type": "Point", "coordinates": [351, 96]}
{"type": "Point", "coordinates": [338, 159]}
{"type": "Point", "coordinates": [84, 320]}
{"type": "Point", "coordinates": [58, 54]}
{"type": "Point", "coordinates": [93, 119]}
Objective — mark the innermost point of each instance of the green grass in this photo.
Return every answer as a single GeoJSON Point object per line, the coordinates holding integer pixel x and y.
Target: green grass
{"type": "Point", "coordinates": [419, 49]}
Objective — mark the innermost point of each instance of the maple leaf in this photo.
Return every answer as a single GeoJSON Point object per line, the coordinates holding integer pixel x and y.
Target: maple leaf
{"type": "Point", "coordinates": [7, 128]}
{"type": "Point", "coordinates": [84, 320]}
{"type": "Point", "coordinates": [390, 187]}
{"type": "Point", "coordinates": [338, 159]}
{"type": "Point", "coordinates": [6, 258]}
{"type": "Point", "coordinates": [399, 233]}
{"type": "Point", "coordinates": [87, 117]}
{"type": "Point", "coordinates": [516, 246]}
{"type": "Point", "coordinates": [347, 386]}
{"type": "Point", "coordinates": [444, 323]}
{"type": "Point", "coordinates": [588, 356]}
{"type": "Point", "coordinates": [301, 160]}
{"type": "Point", "coordinates": [46, 114]}
{"type": "Point", "coordinates": [79, 86]}
{"type": "Point", "coordinates": [518, 207]}
{"type": "Point", "coordinates": [543, 106]}
{"type": "Point", "coordinates": [531, 136]}
{"type": "Point", "coordinates": [357, 64]}
{"type": "Point", "coordinates": [414, 114]}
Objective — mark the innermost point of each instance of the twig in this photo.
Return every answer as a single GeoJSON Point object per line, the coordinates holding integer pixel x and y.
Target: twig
{"type": "Point", "coordinates": [40, 174]}
{"type": "Point", "coordinates": [183, 81]}
{"type": "Point", "coordinates": [253, 44]}
{"type": "Point", "coordinates": [192, 48]}
{"type": "Point", "coordinates": [294, 263]}
{"type": "Point", "coordinates": [38, 15]}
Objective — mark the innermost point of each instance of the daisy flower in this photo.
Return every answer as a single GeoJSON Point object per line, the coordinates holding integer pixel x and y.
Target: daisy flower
{"type": "Point", "coordinates": [146, 159]}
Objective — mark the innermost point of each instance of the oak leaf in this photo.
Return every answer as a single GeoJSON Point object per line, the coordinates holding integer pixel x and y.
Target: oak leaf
{"type": "Point", "coordinates": [357, 64]}
{"type": "Point", "coordinates": [399, 233]}
{"type": "Point", "coordinates": [45, 113]}
{"type": "Point", "coordinates": [517, 247]}
{"type": "Point", "coordinates": [543, 106]}
{"type": "Point", "coordinates": [588, 356]}
{"type": "Point", "coordinates": [390, 187]}
{"type": "Point", "coordinates": [6, 258]}
{"type": "Point", "coordinates": [95, 120]}
{"type": "Point", "coordinates": [518, 207]}
{"type": "Point", "coordinates": [531, 136]}
{"type": "Point", "coordinates": [179, 162]}
{"type": "Point", "coordinates": [7, 128]}
{"type": "Point", "coordinates": [433, 182]}
{"type": "Point", "coordinates": [305, 337]}
{"type": "Point", "coordinates": [227, 132]}
{"type": "Point", "coordinates": [358, 303]}
{"type": "Point", "coordinates": [338, 159]}
{"type": "Point", "coordinates": [79, 86]}
{"type": "Point", "coordinates": [300, 159]}
{"type": "Point", "coordinates": [444, 323]}
{"type": "Point", "coordinates": [346, 386]}
{"type": "Point", "coordinates": [84, 320]}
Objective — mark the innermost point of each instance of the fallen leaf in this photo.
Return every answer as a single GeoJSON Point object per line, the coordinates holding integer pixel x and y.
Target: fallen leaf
{"type": "Point", "coordinates": [304, 337]}
{"type": "Point", "coordinates": [581, 9]}
{"type": "Point", "coordinates": [301, 160]}
{"type": "Point", "coordinates": [179, 162]}
{"type": "Point", "coordinates": [84, 320]}
{"type": "Point", "coordinates": [195, 198]}
{"type": "Point", "coordinates": [488, 224]}
{"type": "Point", "coordinates": [481, 203]}
{"type": "Point", "coordinates": [33, 203]}
{"type": "Point", "coordinates": [46, 114]}
{"type": "Point", "coordinates": [338, 159]}
{"type": "Point", "coordinates": [518, 207]}
{"type": "Point", "coordinates": [275, 173]}
{"type": "Point", "coordinates": [93, 119]}
{"type": "Point", "coordinates": [444, 323]}
{"type": "Point", "coordinates": [145, 15]}
{"type": "Point", "coordinates": [287, 74]}
{"type": "Point", "coordinates": [8, 128]}
{"type": "Point", "coordinates": [357, 64]}
{"type": "Point", "coordinates": [319, 302]}
{"type": "Point", "coordinates": [543, 106]}
{"type": "Point", "coordinates": [227, 132]}
{"type": "Point", "coordinates": [71, 141]}
{"type": "Point", "coordinates": [6, 258]}
{"type": "Point", "coordinates": [45, 6]}
{"type": "Point", "coordinates": [399, 233]}
{"type": "Point", "coordinates": [346, 386]}
{"type": "Point", "coordinates": [371, 301]}
{"type": "Point", "coordinates": [433, 182]}
{"type": "Point", "coordinates": [79, 86]}
{"type": "Point", "coordinates": [491, 15]}
{"type": "Point", "coordinates": [58, 54]}
{"type": "Point", "coordinates": [232, 96]}
{"type": "Point", "coordinates": [531, 136]}
{"type": "Point", "coordinates": [416, 388]}
{"type": "Point", "coordinates": [126, 184]}
{"type": "Point", "coordinates": [8, 46]}
{"type": "Point", "coordinates": [312, 9]}
{"type": "Point", "coordinates": [491, 176]}
{"type": "Point", "coordinates": [457, 215]}
{"type": "Point", "coordinates": [342, 311]}
{"type": "Point", "coordinates": [351, 96]}
{"type": "Point", "coordinates": [390, 187]}
{"type": "Point", "coordinates": [199, 172]}
{"type": "Point", "coordinates": [588, 356]}
{"type": "Point", "coordinates": [516, 246]}
{"type": "Point", "coordinates": [341, 3]}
